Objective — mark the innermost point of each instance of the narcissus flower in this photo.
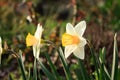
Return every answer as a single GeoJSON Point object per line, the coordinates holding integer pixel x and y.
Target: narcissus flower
{"type": "Point", "coordinates": [73, 40]}
{"type": "Point", "coordinates": [35, 41]}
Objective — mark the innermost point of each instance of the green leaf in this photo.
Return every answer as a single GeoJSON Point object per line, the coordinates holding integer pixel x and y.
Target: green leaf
{"type": "Point", "coordinates": [102, 55]}
{"type": "Point", "coordinates": [47, 73]}
{"type": "Point", "coordinates": [29, 75]}
{"type": "Point", "coordinates": [83, 71]}
{"type": "Point", "coordinates": [103, 75]}
{"type": "Point", "coordinates": [103, 70]}
{"type": "Point", "coordinates": [95, 60]}
{"type": "Point", "coordinates": [21, 65]}
{"type": "Point", "coordinates": [78, 74]}
{"type": "Point", "coordinates": [39, 76]}
{"type": "Point", "coordinates": [65, 65]}
{"type": "Point", "coordinates": [52, 67]}
{"type": "Point", "coordinates": [10, 77]}
{"type": "Point", "coordinates": [35, 70]}
{"type": "Point", "coordinates": [118, 73]}
{"type": "Point", "coordinates": [114, 73]}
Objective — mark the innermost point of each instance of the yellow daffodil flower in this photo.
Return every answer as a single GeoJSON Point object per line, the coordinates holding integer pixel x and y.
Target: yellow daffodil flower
{"type": "Point", "coordinates": [0, 49]}
{"type": "Point", "coordinates": [35, 41]}
{"type": "Point", "coordinates": [73, 40]}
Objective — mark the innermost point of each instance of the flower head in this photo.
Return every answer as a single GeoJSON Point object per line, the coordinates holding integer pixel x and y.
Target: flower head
{"type": "Point", "coordinates": [35, 41]}
{"type": "Point", "coordinates": [73, 40]}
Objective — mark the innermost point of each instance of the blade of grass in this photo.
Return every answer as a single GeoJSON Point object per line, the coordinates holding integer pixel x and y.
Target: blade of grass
{"type": "Point", "coordinates": [47, 73]}
{"type": "Point", "coordinates": [103, 70]}
{"type": "Point", "coordinates": [118, 73]}
{"type": "Point", "coordinates": [102, 55]}
{"type": "Point", "coordinates": [76, 70]}
{"type": "Point", "coordinates": [85, 76]}
{"type": "Point", "coordinates": [106, 71]}
{"type": "Point", "coordinates": [10, 77]}
{"type": "Point", "coordinates": [35, 70]}
{"type": "Point", "coordinates": [78, 74]}
{"type": "Point", "coordinates": [114, 73]}
{"type": "Point", "coordinates": [103, 75]}
{"type": "Point", "coordinates": [29, 74]}
{"type": "Point", "coordinates": [20, 62]}
{"type": "Point", "coordinates": [52, 67]}
{"type": "Point", "coordinates": [39, 76]}
{"type": "Point", "coordinates": [95, 60]}
{"type": "Point", "coordinates": [65, 66]}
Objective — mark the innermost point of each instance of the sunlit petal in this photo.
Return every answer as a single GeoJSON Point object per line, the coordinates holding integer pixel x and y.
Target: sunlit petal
{"type": "Point", "coordinates": [79, 52]}
{"type": "Point", "coordinates": [70, 29]}
{"type": "Point", "coordinates": [36, 47]}
{"type": "Point", "coordinates": [36, 51]}
{"type": "Point", "coordinates": [80, 28]}
{"type": "Point", "coordinates": [82, 42]}
{"type": "Point", "coordinates": [69, 49]}
{"type": "Point", "coordinates": [38, 32]}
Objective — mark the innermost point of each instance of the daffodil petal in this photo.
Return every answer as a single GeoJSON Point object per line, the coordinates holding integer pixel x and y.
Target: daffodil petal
{"type": "Point", "coordinates": [80, 28]}
{"type": "Point", "coordinates": [36, 51]}
{"type": "Point", "coordinates": [82, 41]}
{"type": "Point", "coordinates": [36, 47]}
{"type": "Point", "coordinates": [69, 49]}
{"type": "Point", "coordinates": [38, 32]}
{"type": "Point", "coordinates": [70, 29]}
{"type": "Point", "coordinates": [79, 52]}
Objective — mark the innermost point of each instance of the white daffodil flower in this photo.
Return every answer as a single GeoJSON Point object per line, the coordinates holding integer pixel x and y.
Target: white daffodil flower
{"type": "Point", "coordinates": [73, 40]}
{"type": "Point", "coordinates": [35, 41]}
{"type": "Point", "coordinates": [0, 49]}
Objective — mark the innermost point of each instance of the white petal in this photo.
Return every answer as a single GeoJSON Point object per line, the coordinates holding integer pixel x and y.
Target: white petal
{"type": "Point", "coordinates": [38, 32]}
{"type": "Point", "coordinates": [34, 51]}
{"type": "Point", "coordinates": [69, 49]}
{"type": "Point", "coordinates": [70, 29]}
{"type": "Point", "coordinates": [80, 28]}
{"type": "Point", "coordinates": [82, 42]}
{"type": "Point", "coordinates": [36, 47]}
{"type": "Point", "coordinates": [79, 52]}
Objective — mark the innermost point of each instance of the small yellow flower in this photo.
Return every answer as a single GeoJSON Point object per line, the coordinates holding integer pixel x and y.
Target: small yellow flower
{"type": "Point", "coordinates": [31, 40]}
{"type": "Point", "coordinates": [68, 39]}
{"type": "Point", "coordinates": [35, 41]}
{"type": "Point", "coordinates": [73, 40]}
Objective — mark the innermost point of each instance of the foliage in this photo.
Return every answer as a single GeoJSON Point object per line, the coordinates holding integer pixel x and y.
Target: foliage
{"type": "Point", "coordinates": [17, 59]}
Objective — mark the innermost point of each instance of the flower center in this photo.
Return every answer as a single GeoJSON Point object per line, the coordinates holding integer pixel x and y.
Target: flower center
{"type": "Point", "coordinates": [31, 40]}
{"type": "Point", "coordinates": [68, 39]}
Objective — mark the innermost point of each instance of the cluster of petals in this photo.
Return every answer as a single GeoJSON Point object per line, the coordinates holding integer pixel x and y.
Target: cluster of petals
{"type": "Point", "coordinates": [35, 41]}
{"type": "Point", "coordinates": [73, 40]}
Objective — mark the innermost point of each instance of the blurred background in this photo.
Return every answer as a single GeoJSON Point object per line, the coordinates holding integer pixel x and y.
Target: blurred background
{"type": "Point", "coordinates": [18, 17]}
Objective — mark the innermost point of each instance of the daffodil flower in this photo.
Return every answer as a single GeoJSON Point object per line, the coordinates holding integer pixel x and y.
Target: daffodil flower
{"type": "Point", "coordinates": [0, 49]}
{"type": "Point", "coordinates": [35, 41]}
{"type": "Point", "coordinates": [73, 40]}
